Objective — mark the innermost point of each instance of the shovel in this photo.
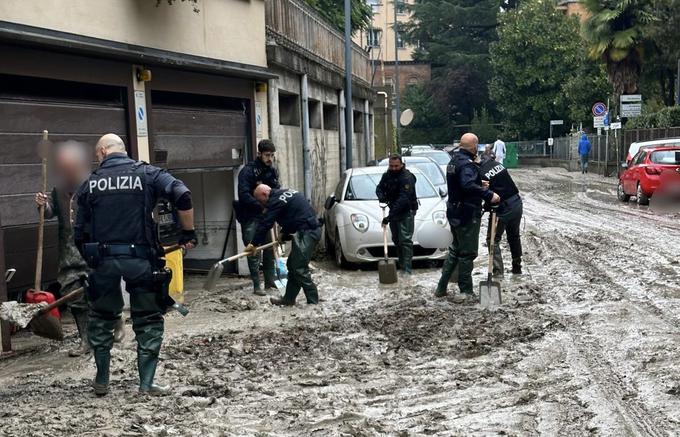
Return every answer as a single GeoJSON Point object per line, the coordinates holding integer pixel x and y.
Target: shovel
{"type": "Point", "coordinates": [217, 269]}
{"type": "Point", "coordinates": [387, 268]}
{"type": "Point", "coordinates": [490, 290]}
{"type": "Point", "coordinates": [280, 282]}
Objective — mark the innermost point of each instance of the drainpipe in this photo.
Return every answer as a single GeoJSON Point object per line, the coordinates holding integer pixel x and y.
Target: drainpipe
{"type": "Point", "coordinates": [349, 115]}
{"type": "Point", "coordinates": [367, 132]}
{"type": "Point", "coordinates": [387, 148]}
{"type": "Point", "coordinates": [306, 158]}
{"type": "Point", "coordinates": [343, 133]}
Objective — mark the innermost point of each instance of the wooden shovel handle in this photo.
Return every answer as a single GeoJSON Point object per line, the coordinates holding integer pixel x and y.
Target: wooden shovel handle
{"type": "Point", "coordinates": [41, 225]}
{"type": "Point", "coordinates": [62, 300]}
{"type": "Point", "coordinates": [492, 240]}
{"type": "Point", "coordinates": [242, 254]}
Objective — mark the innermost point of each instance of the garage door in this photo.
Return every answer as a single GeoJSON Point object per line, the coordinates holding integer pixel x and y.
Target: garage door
{"type": "Point", "coordinates": [69, 111]}
{"type": "Point", "coordinates": [191, 131]}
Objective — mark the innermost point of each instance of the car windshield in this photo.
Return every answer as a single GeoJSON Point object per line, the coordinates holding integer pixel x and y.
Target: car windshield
{"type": "Point", "coordinates": [430, 169]}
{"type": "Point", "coordinates": [362, 187]}
{"type": "Point", "coordinates": [442, 158]}
{"type": "Point", "coordinates": [666, 157]}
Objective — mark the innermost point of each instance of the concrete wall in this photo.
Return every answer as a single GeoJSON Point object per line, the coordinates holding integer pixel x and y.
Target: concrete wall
{"type": "Point", "coordinates": [229, 30]}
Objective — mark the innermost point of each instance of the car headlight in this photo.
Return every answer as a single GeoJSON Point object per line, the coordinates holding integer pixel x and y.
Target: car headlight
{"type": "Point", "coordinates": [439, 217]}
{"type": "Point", "coordinates": [360, 222]}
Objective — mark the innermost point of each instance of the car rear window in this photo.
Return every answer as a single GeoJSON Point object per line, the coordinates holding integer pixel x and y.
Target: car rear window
{"type": "Point", "coordinates": [362, 187]}
{"type": "Point", "coordinates": [666, 157]}
{"type": "Point", "coordinates": [442, 158]}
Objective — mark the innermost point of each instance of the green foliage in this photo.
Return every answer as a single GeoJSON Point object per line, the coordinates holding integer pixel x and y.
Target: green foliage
{"type": "Point", "coordinates": [615, 33]}
{"type": "Point", "coordinates": [583, 86]}
{"type": "Point", "coordinates": [334, 12]}
{"type": "Point", "coordinates": [535, 64]}
{"type": "Point", "coordinates": [483, 126]}
{"type": "Point", "coordinates": [454, 36]}
{"type": "Point", "coordinates": [667, 117]}
{"type": "Point", "coordinates": [429, 123]}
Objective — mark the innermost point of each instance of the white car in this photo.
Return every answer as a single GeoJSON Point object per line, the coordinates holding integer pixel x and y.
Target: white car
{"type": "Point", "coordinates": [354, 232]}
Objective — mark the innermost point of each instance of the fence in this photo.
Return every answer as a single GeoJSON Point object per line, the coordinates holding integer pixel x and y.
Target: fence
{"type": "Point", "coordinates": [298, 25]}
{"type": "Point", "coordinates": [634, 135]}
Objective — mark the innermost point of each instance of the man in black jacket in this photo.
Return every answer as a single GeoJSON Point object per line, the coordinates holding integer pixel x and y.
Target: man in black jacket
{"type": "Point", "coordinates": [397, 188]}
{"type": "Point", "coordinates": [249, 211]}
{"type": "Point", "coordinates": [509, 213]}
{"type": "Point", "coordinates": [466, 193]}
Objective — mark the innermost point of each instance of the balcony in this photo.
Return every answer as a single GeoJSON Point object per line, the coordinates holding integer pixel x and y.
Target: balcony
{"type": "Point", "coordinates": [296, 26]}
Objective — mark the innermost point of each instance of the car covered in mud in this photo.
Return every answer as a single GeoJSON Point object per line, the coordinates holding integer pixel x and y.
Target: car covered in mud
{"type": "Point", "coordinates": [654, 170]}
{"type": "Point", "coordinates": [354, 232]}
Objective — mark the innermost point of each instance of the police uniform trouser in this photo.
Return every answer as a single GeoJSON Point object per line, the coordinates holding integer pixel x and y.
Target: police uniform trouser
{"type": "Point", "coordinates": [299, 276]}
{"type": "Point", "coordinates": [106, 305]}
{"type": "Point", "coordinates": [248, 232]}
{"type": "Point", "coordinates": [509, 221]}
{"type": "Point", "coordinates": [462, 254]}
{"type": "Point", "coordinates": [402, 237]}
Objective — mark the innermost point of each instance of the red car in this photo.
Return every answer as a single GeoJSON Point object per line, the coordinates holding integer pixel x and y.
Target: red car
{"type": "Point", "coordinates": [653, 170]}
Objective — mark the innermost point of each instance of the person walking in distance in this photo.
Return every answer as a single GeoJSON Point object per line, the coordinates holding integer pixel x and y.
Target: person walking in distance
{"type": "Point", "coordinates": [584, 147]}
{"type": "Point", "coordinates": [509, 213]}
{"type": "Point", "coordinates": [117, 236]}
{"type": "Point", "coordinates": [299, 224]}
{"type": "Point", "coordinates": [249, 211]}
{"type": "Point", "coordinates": [499, 149]}
{"type": "Point", "coordinates": [464, 211]}
{"type": "Point", "coordinates": [73, 165]}
{"type": "Point", "coordinates": [397, 188]}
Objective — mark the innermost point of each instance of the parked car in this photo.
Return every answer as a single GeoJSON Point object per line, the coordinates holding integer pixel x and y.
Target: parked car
{"type": "Point", "coordinates": [354, 232]}
{"type": "Point", "coordinates": [635, 147]}
{"type": "Point", "coordinates": [653, 170]}
{"type": "Point", "coordinates": [407, 150]}
{"type": "Point", "coordinates": [439, 156]}
{"type": "Point", "coordinates": [426, 166]}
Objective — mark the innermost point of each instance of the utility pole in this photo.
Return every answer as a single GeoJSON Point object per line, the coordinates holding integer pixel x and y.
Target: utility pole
{"type": "Point", "coordinates": [396, 77]}
{"type": "Point", "coordinates": [349, 116]}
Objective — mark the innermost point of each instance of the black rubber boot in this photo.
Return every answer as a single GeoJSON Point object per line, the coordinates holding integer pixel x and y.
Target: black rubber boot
{"type": "Point", "coordinates": [101, 381]}
{"type": "Point", "coordinates": [517, 266]}
{"type": "Point", "coordinates": [281, 302]}
{"type": "Point", "coordinates": [81, 323]}
{"type": "Point", "coordinates": [146, 365]}
{"type": "Point", "coordinates": [260, 292]}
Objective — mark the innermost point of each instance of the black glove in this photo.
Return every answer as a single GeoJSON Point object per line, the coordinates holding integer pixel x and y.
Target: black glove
{"type": "Point", "coordinates": [386, 221]}
{"type": "Point", "coordinates": [188, 237]}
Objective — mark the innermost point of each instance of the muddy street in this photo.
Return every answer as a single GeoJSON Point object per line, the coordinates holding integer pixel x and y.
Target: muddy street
{"type": "Point", "coordinates": [586, 343]}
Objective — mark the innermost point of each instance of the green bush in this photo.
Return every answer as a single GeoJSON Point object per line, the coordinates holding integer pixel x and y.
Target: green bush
{"type": "Point", "coordinates": [667, 117]}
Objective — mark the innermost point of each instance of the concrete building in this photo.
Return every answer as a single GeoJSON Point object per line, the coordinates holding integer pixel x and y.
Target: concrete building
{"type": "Point", "coordinates": [573, 7]}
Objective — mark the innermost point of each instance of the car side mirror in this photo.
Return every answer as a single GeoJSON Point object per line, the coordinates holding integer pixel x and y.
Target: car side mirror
{"type": "Point", "coordinates": [330, 201]}
{"type": "Point", "coordinates": [442, 192]}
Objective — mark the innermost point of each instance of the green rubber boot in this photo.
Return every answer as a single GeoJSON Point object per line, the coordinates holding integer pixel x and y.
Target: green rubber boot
{"type": "Point", "coordinates": [146, 365]}
{"type": "Point", "coordinates": [101, 381]}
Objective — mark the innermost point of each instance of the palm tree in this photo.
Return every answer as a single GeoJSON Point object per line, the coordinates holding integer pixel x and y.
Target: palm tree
{"type": "Point", "coordinates": [615, 32]}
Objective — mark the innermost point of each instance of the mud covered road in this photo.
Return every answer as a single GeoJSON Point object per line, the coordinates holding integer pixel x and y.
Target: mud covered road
{"type": "Point", "coordinates": [586, 343]}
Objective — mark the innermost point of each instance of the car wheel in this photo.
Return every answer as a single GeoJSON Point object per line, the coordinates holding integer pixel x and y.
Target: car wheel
{"type": "Point", "coordinates": [641, 198]}
{"type": "Point", "coordinates": [623, 197]}
{"type": "Point", "coordinates": [339, 257]}
{"type": "Point", "coordinates": [330, 249]}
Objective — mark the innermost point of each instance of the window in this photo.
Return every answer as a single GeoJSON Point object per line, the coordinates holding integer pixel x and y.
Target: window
{"type": "Point", "coordinates": [289, 109]}
{"type": "Point", "coordinates": [401, 6]}
{"type": "Point", "coordinates": [373, 37]}
{"type": "Point", "coordinates": [412, 81]}
{"type": "Point", "coordinates": [330, 117]}
{"type": "Point", "coordinates": [400, 39]}
{"type": "Point", "coordinates": [666, 157]}
{"type": "Point", "coordinates": [640, 158]}
{"type": "Point", "coordinates": [374, 4]}
{"type": "Point", "coordinates": [314, 107]}
{"type": "Point", "coordinates": [358, 121]}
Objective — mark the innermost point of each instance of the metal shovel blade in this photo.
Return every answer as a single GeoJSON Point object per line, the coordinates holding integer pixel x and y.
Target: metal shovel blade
{"type": "Point", "coordinates": [489, 293]}
{"type": "Point", "coordinates": [47, 326]}
{"type": "Point", "coordinates": [213, 275]}
{"type": "Point", "coordinates": [387, 271]}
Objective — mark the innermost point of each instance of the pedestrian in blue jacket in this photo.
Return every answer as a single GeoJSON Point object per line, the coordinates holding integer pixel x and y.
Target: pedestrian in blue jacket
{"type": "Point", "coordinates": [584, 147]}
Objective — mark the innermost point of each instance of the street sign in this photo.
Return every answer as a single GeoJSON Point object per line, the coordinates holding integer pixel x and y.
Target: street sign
{"type": "Point", "coordinates": [599, 109]}
{"type": "Point", "coordinates": [606, 118]}
{"type": "Point", "coordinates": [556, 122]}
{"type": "Point", "coordinates": [551, 141]}
{"type": "Point", "coordinates": [615, 125]}
{"type": "Point", "coordinates": [598, 121]}
{"type": "Point", "coordinates": [631, 105]}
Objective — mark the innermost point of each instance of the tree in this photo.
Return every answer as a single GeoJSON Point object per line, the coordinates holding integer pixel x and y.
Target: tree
{"type": "Point", "coordinates": [334, 12]}
{"type": "Point", "coordinates": [454, 37]}
{"type": "Point", "coordinates": [429, 125]}
{"type": "Point", "coordinates": [539, 50]}
{"type": "Point", "coordinates": [662, 51]}
{"type": "Point", "coordinates": [615, 33]}
{"type": "Point", "coordinates": [583, 86]}
{"type": "Point", "coordinates": [483, 126]}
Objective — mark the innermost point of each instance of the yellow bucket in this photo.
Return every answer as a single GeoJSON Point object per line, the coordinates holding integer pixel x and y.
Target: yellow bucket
{"type": "Point", "coordinates": [173, 261]}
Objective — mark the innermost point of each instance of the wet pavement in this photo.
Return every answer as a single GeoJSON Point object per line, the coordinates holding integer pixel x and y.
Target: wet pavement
{"type": "Point", "coordinates": [586, 342]}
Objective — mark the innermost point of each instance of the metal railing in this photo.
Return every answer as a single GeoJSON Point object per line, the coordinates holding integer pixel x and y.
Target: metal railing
{"type": "Point", "coordinates": [297, 25]}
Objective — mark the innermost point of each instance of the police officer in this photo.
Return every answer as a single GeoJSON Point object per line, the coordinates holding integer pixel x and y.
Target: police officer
{"type": "Point", "coordinates": [249, 211]}
{"type": "Point", "coordinates": [117, 236]}
{"type": "Point", "coordinates": [509, 213]}
{"type": "Point", "coordinates": [464, 210]}
{"type": "Point", "coordinates": [397, 188]}
{"type": "Point", "coordinates": [299, 223]}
